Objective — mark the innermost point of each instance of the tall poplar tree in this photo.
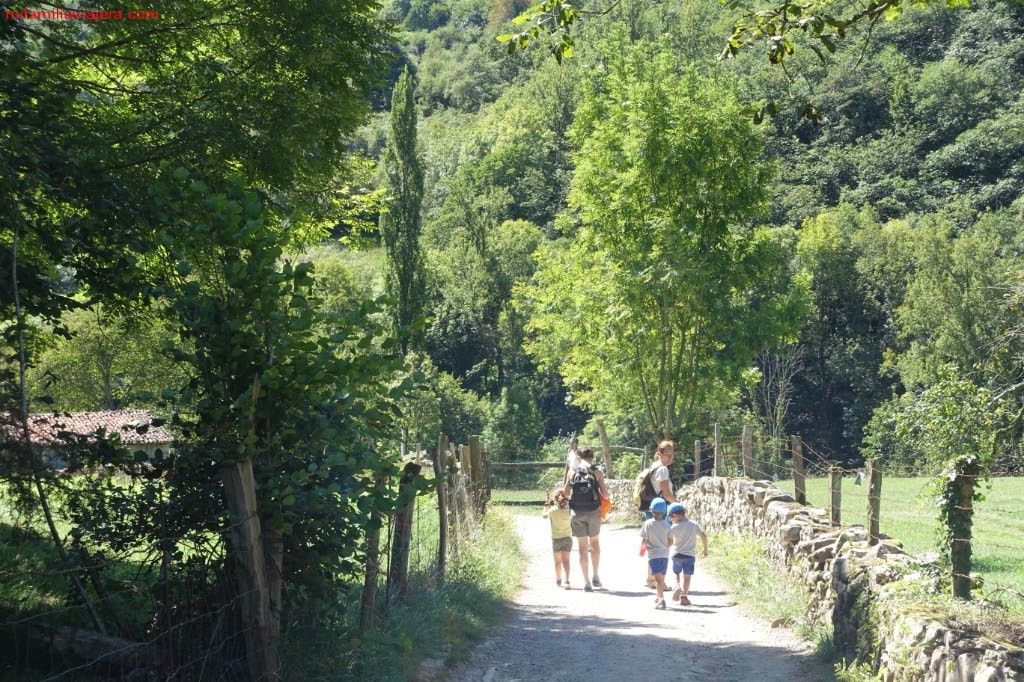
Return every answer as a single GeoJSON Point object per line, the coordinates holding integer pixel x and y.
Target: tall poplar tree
{"type": "Point", "coordinates": [400, 224]}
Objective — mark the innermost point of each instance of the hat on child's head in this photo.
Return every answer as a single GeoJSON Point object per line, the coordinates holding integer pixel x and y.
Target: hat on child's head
{"type": "Point", "coordinates": [676, 508]}
{"type": "Point", "coordinates": [658, 505]}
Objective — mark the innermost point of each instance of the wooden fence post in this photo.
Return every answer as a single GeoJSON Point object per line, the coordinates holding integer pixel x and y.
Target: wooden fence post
{"type": "Point", "coordinates": [799, 484]}
{"type": "Point", "coordinates": [476, 460]}
{"type": "Point", "coordinates": [398, 568]}
{"type": "Point", "coordinates": [454, 481]}
{"type": "Point", "coordinates": [247, 543]}
{"type": "Point", "coordinates": [367, 604]}
{"type": "Point", "coordinates": [465, 462]}
{"type": "Point", "coordinates": [960, 548]}
{"type": "Point", "coordinates": [747, 447]}
{"type": "Point", "coordinates": [874, 499]}
{"type": "Point", "coordinates": [606, 449]}
{"type": "Point", "coordinates": [696, 459]}
{"type": "Point", "coordinates": [485, 459]}
{"type": "Point", "coordinates": [441, 473]}
{"type": "Point", "coordinates": [835, 495]}
{"type": "Point", "coordinates": [719, 469]}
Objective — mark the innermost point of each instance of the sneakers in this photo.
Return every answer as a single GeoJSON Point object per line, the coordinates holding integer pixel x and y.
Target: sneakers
{"type": "Point", "coordinates": [587, 587]}
{"type": "Point", "coordinates": [596, 582]}
{"type": "Point", "coordinates": [567, 585]}
{"type": "Point", "coordinates": [558, 583]}
{"type": "Point", "coordinates": [659, 604]}
{"type": "Point", "coordinates": [683, 601]}
{"type": "Point", "coordinates": [677, 594]}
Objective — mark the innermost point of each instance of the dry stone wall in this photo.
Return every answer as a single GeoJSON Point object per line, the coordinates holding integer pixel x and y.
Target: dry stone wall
{"type": "Point", "coordinates": [851, 583]}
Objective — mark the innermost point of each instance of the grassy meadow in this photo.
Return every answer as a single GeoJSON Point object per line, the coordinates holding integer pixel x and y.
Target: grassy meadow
{"type": "Point", "coordinates": [909, 514]}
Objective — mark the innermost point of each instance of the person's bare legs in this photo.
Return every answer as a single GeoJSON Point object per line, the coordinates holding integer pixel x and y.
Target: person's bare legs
{"type": "Point", "coordinates": [686, 584]}
{"type": "Point", "coordinates": [584, 547]}
{"type": "Point", "coordinates": [595, 556]}
{"type": "Point", "coordinates": [659, 578]}
{"type": "Point", "coordinates": [558, 566]}
{"type": "Point", "coordinates": [563, 557]}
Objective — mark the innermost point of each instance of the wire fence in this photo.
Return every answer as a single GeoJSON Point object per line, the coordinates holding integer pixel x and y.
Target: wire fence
{"type": "Point", "coordinates": [176, 612]}
{"type": "Point", "coordinates": [907, 500]}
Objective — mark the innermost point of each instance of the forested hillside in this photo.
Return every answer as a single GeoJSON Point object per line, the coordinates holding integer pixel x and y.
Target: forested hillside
{"type": "Point", "coordinates": [899, 208]}
{"type": "Point", "coordinates": [309, 237]}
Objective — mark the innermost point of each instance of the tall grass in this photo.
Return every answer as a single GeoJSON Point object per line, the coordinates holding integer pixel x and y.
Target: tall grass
{"type": "Point", "coordinates": [433, 621]}
{"type": "Point", "coordinates": [741, 562]}
{"type": "Point", "coordinates": [909, 515]}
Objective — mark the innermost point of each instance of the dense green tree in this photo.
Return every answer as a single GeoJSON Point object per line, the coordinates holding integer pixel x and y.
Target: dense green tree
{"type": "Point", "coordinates": [178, 159]}
{"type": "Point", "coordinates": [668, 292]}
{"type": "Point", "coordinates": [955, 310]}
{"type": "Point", "coordinates": [401, 223]}
{"type": "Point", "coordinates": [107, 362]}
{"type": "Point", "coordinates": [847, 334]}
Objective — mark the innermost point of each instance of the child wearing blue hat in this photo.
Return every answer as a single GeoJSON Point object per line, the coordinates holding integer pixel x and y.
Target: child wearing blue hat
{"type": "Point", "coordinates": [655, 539]}
{"type": "Point", "coordinates": [683, 535]}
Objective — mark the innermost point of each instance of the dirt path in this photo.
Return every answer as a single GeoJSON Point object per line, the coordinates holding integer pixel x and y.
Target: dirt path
{"type": "Point", "coordinates": [615, 634]}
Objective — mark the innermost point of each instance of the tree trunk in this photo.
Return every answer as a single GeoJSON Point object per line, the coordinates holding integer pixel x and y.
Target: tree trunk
{"type": "Point", "coordinates": [253, 588]}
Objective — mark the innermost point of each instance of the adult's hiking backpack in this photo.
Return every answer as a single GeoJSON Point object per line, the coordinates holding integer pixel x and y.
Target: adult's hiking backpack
{"type": "Point", "coordinates": [584, 494]}
{"type": "Point", "coordinates": [643, 488]}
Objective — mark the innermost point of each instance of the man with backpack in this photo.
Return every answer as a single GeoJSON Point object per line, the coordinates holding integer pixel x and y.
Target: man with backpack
{"type": "Point", "coordinates": [585, 488]}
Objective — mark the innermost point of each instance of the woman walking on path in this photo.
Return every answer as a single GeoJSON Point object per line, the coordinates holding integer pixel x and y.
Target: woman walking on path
{"type": "Point", "coordinates": [585, 488]}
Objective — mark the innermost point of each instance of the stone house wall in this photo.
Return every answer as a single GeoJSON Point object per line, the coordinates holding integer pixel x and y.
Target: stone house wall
{"type": "Point", "coordinates": [847, 580]}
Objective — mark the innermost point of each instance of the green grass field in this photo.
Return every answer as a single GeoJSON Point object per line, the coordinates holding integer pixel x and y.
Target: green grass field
{"type": "Point", "coordinates": [909, 515]}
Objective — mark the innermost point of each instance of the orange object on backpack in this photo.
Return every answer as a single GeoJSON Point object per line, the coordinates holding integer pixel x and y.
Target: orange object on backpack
{"type": "Point", "coordinates": [606, 506]}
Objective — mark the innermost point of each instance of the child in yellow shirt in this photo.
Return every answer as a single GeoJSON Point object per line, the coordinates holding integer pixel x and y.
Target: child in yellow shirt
{"type": "Point", "coordinates": [561, 536]}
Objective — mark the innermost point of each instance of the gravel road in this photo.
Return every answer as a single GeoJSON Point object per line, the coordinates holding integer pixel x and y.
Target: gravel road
{"type": "Point", "coordinates": [615, 634]}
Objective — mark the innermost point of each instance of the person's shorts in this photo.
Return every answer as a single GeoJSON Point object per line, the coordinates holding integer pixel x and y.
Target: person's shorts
{"type": "Point", "coordinates": [682, 563]}
{"type": "Point", "coordinates": [561, 544]}
{"type": "Point", "coordinates": [585, 524]}
{"type": "Point", "coordinates": [658, 566]}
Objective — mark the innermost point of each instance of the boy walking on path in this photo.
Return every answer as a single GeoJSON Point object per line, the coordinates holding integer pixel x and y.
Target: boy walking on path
{"type": "Point", "coordinates": [655, 534]}
{"type": "Point", "coordinates": [683, 534]}
{"type": "Point", "coordinates": [561, 536]}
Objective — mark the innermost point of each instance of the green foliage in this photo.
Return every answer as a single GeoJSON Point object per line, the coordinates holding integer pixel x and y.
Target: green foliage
{"type": "Point", "coordinates": [431, 622]}
{"type": "Point", "coordinates": [512, 426]}
{"type": "Point", "coordinates": [954, 306]}
{"type": "Point", "coordinates": [627, 465]}
{"type": "Point", "coordinates": [637, 310]}
{"type": "Point", "coordinates": [846, 336]}
{"type": "Point", "coordinates": [952, 422]}
{"type": "Point", "coordinates": [742, 562]}
{"type": "Point", "coordinates": [303, 396]}
{"type": "Point", "coordinates": [400, 224]}
{"type": "Point", "coordinates": [847, 671]}
{"type": "Point", "coordinates": [108, 362]}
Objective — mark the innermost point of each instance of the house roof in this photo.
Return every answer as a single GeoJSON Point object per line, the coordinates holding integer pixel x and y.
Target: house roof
{"type": "Point", "coordinates": [46, 429]}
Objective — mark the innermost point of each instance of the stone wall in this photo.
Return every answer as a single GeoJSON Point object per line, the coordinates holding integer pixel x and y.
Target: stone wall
{"type": "Point", "coordinates": [851, 584]}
